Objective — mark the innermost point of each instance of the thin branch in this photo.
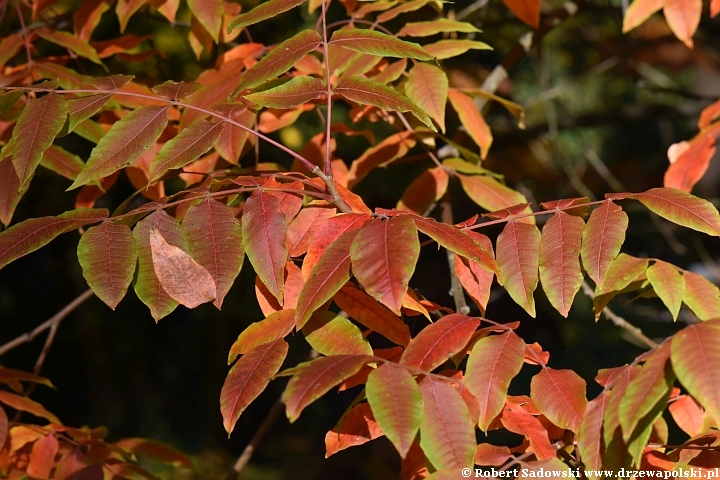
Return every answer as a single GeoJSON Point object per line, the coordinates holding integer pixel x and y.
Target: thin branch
{"type": "Point", "coordinates": [52, 322]}
{"type": "Point", "coordinates": [328, 119]}
{"type": "Point", "coordinates": [618, 321]}
{"type": "Point", "coordinates": [456, 288]}
{"type": "Point", "coordinates": [26, 39]}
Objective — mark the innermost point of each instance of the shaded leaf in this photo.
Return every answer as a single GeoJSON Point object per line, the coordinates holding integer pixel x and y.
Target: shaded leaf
{"type": "Point", "coordinates": [392, 72]}
{"type": "Point", "coordinates": [356, 428]}
{"type": "Point", "coordinates": [560, 396]}
{"type": "Point", "coordinates": [669, 284]}
{"type": "Point", "coordinates": [517, 255]}
{"type": "Point", "coordinates": [387, 151]}
{"type": "Point", "coordinates": [384, 254]}
{"type": "Point", "coordinates": [128, 138]}
{"type": "Point", "coordinates": [472, 120]}
{"type": "Point", "coordinates": [426, 29]}
{"type": "Point", "coordinates": [159, 451]}
{"type": "Point", "coordinates": [590, 443]}
{"type": "Point", "coordinates": [439, 341]}
{"type": "Point", "coordinates": [688, 415]}
{"type": "Point", "coordinates": [304, 226]}
{"type": "Point", "coordinates": [24, 404]}
{"type": "Point", "coordinates": [313, 379]}
{"type": "Point", "coordinates": [447, 434]}
{"type": "Point", "coordinates": [9, 46]}
{"type": "Point", "coordinates": [452, 48]}
{"type": "Point", "coordinates": [28, 236]}
{"type": "Point", "coordinates": [682, 208]}
{"type": "Point", "coordinates": [80, 109]}
{"type": "Point", "coordinates": [262, 12]}
{"type": "Point", "coordinates": [694, 349]}
{"type": "Point", "coordinates": [10, 190]}
{"type": "Point", "coordinates": [3, 426]}
{"type": "Point", "coordinates": [214, 240]}
{"type": "Point", "coordinates": [396, 403]}
{"type": "Point", "coordinates": [602, 238]}
{"type": "Point", "coordinates": [42, 456]}
{"type": "Point", "coordinates": [425, 190]}
{"type": "Point", "coordinates": [560, 271]}
{"type": "Point", "coordinates": [280, 59]}
{"type": "Point", "coordinates": [683, 17]}
{"type": "Point", "coordinates": [701, 296]}
{"type": "Point", "coordinates": [370, 92]}
{"type": "Point", "coordinates": [490, 194]}
{"type": "Point", "coordinates": [186, 147]}
{"type": "Point", "coordinates": [276, 325]}
{"type": "Point", "coordinates": [297, 91]}
{"type": "Point", "coordinates": [427, 87]}
{"type": "Point", "coordinates": [264, 228]}
{"type": "Point", "coordinates": [639, 11]}
{"type": "Point", "coordinates": [516, 419]}
{"type": "Point", "coordinates": [210, 15]}
{"type": "Point", "coordinates": [125, 9]}
{"type": "Point", "coordinates": [72, 42]}
{"type": "Point", "coordinates": [108, 255]}
{"type": "Point", "coordinates": [374, 316]}
{"type": "Point", "coordinates": [331, 334]}
{"type": "Point", "coordinates": [493, 362]}
{"type": "Point", "coordinates": [248, 378]}
{"type": "Point", "coordinates": [187, 282]}
{"type": "Point", "coordinates": [526, 10]}
{"type": "Point", "coordinates": [378, 43]}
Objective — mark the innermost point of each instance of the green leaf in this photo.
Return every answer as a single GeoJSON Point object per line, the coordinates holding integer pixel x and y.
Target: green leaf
{"type": "Point", "coordinates": [603, 236]}
{"type": "Point", "coordinates": [128, 138]}
{"type": "Point", "coordinates": [281, 59]}
{"type": "Point", "coordinates": [701, 296]}
{"type": "Point", "coordinates": [623, 270]}
{"type": "Point", "coordinates": [370, 92]}
{"type": "Point", "coordinates": [439, 341]}
{"type": "Point", "coordinates": [396, 402]}
{"type": "Point", "coordinates": [28, 236]}
{"type": "Point", "coordinates": [493, 362]}
{"type": "Point", "coordinates": [378, 43]}
{"type": "Point", "coordinates": [560, 396]}
{"type": "Point", "coordinates": [426, 29]}
{"type": "Point", "coordinates": [248, 378]}
{"type": "Point", "coordinates": [669, 284]}
{"type": "Point", "coordinates": [108, 256]}
{"type": "Point", "coordinates": [384, 254]}
{"type": "Point", "coordinates": [560, 271]}
{"type": "Point", "coordinates": [263, 11]}
{"type": "Point", "coordinates": [681, 208]}
{"type": "Point", "coordinates": [36, 128]}
{"type": "Point", "coordinates": [452, 48]}
{"type": "Point", "coordinates": [695, 351]}
{"type": "Point", "coordinates": [297, 91]}
{"type": "Point", "coordinates": [214, 239]}
{"type": "Point", "coordinates": [517, 254]}
{"type": "Point", "coordinates": [330, 334]}
{"type": "Point", "coordinates": [427, 87]}
{"type": "Point", "coordinates": [186, 147]}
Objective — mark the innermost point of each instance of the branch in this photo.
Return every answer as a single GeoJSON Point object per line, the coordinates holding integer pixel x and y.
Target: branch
{"type": "Point", "coordinates": [456, 289]}
{"type": "Point", "coordinates": [328, 119]}
{"type": "Point", "coordinates": [52, 323]}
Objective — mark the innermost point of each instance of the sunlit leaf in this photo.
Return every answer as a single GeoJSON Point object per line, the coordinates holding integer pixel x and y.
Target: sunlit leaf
{"type": "Point", "coordinates": [560, 271]}
{"type": "Point", "coordinates": [702, 296]}
{"type": "Point", "coordinates": [560, 396]}
{"type": "Point", "coordinates": [426, 29]}
{"type": "Point", "coordinates": [623, 270]}
{"type": "Point", "coordinates": [603, 236]}
{"type": "Point", "coordinates": [356, 428]}
{"type": "Point", "coordinates": [590, 443]}
{"type": "Point", "coordinates": [526, 10]}
{"type": "Point", "coordinates": [690, 160]}
{"type": "Point", "coordinates": [452, 48]}
{"type": "Point", "coordinates": [472, 120]}
{"type": "Point", "coordinates": [490, 194]}
{"type": "Point", "coordinates": [517, 254]}
{"type": "Point", "coordinates": [427, 87]}
{"type": "Point", "coordinates": [688, 415]}
{"type": "Point", "coordinates": [493, 362]}
{"type": "Point", "coordinates": [297, 91]}
{"type": "Point", "coordinates": [275, 326]}
{"type": "Point", "coordinates": [384, 254]}
{"type": "Point", "coordinates": [439, 341]}
{"type": "Point", "coordinates": [425, 190]}
{"type": "Point", "coordinates": [186, 147]}
{"type": "Point", "coordinates": [248, 378]}
{"type": "Point", "coordinates": [682, 208]}
{"type": "Point", "coordinates": [406, 7]}
{"type": "Point", "coordinates": [24, 404]}
{"type": "Point", "coordinates": [262, 12]}
{"type": "Point", "coordinates": [128, 138]}
{"type": "Point", "coordinates": [385, 152]}
{"type": "Point", "coordinates": [396, 403]}
{"type": "Point", "coordinates": [42, 456]}
{"type": "Point", "coordinates": [683, 17]}
{"type": "Point", "coordinates": [377, 43]}
{"type": "Point", "coordinates": [326, 233]}
{"type": "Point", "coordinates": [669, 284]}
{"type": "Point", "coordinates": [639, 11]}
{"type": "Point", "coordinates": [476, 279]}
{"type": "Point", "coordinates": [125, 9]}
{"type": "Point", "coordinates": [331, 334]}
{"type": "Point", "coordinates": [516, 419]}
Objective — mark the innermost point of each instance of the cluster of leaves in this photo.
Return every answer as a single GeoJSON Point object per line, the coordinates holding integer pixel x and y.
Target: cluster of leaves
{"type": "Point", "coordinates": [313, 242]}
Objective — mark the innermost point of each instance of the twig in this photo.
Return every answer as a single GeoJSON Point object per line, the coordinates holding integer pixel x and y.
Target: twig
{"type": "Point", "coordinates": [52, 324]}
{"type": "Point", "coordinates": [26, 39]}
{"type": "Point", "coordinates": [456, 288]}
{"type": "Point", "coordinates": [328, 119]}
{"type": "Point", "coordinates": [618, 321]}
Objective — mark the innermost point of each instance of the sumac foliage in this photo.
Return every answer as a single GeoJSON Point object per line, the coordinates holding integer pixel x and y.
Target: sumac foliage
{"type": "Point", "coordinates": [328, 267]}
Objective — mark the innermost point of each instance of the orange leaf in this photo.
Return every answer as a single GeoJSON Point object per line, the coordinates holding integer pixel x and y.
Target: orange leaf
{"type": "Point", "coordinates": [603, 236]}
{"type": "Point", "coordinates": [439, 341]}
{"type": "Point", "coordinates": [357, 427]}
{"type": "Point", "coordinates": [714, 8]}
{"type": "Point", "coordinates": [560, 396]}
{"type": "Point", "coordinates": [516, 419]}
{"type": "Point", "coordinates": [393, 147]}
{"type": "Point", "coordinates": [683, 16]}
{"type": "Point", "coordinates": [688, 415]}
{"type": "Point", "coordinates": [526, 10]}
{"type": "Point", "coordinates": [518, 255]}
{"type": "Point", "coordinates": [427, 87]}
{"type": "Point", "coordinates": [590, 435]}
{"type": "Point", "coordinates": [429, 187]}
{"type": "Point", "coordinates": [472, 120]}
{"type": "Point", "coordinates": [42, 457]}
{"type": "Point", "coordinates": [24, 404]}
{"type": "Point", "coordinates": [639, 11]}
{"type": "Point", "coordinates": [692, 161]}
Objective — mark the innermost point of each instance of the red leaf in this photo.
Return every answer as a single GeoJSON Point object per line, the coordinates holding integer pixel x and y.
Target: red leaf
{"type": "Point", "coordinates": [357, 427]}
{"type": "Point", "coordinates": [384, 254]}
{"type": "Point", "coordinates": [516, 419]}
{"type": "Point", "coordinates": [688, 415]}
{"type": "Point", "coordinates": [330, 273]}
{"type": "Point", "coordinates": [42, 457]}
{"type": "Point", "coordinates": [10, 190]}
{"type": "Point", "coordinates": [294, 283]}
{"type": "Point", "coordinates": [472, 120]}
{"type": "Point", "coordinates": [147, 286]}
{"type": "Point", "coordinates": [439, 341]}
{"type": "Point", "coordinates": [526, 10]}
{"type": "Point", "coordinates": [326, 234]}
{"type": "Point", "coordinates": [690, 165]}
{"type": "Point", "coordinates": [397, 404]}
{"type": "Point", "coordinates": [669, 285]}
{"type": "Point", "coordinates": [313, 379]}
{"type": "Point", "coordinates": [560, 271]}
{"type": "Point", "coordinates": [447, 433]}
{"type": "Point", "coordinates": [390, 149]}
{"type": "Point", "coordinates": [589, 437]}
{"type": "Point", "coordinates": [262, 12]}
{"type": "Point", "coordinates": [331, 334]}
{"type": "Point", "coordinates": [560, 396]}
{"type": "Point", "coordinates": [426, 189]}
{"type": "Point", "coordinates": [304, 226]}
{"type": "Point", "coordinates": [187, 282]}
{"type": "Point", "coordinates": [681, 208]}
{"type": "Point", "coordinates": [487, 454]}
{"type": "Point", "coordinates": [214, 241]}
{"type": "Point", "coordinates": [188, 146]}
{"type": "Point", "coordinates": [694, 350]}
{"type": "Point", "coordinates": [374, 316]}
{"type": "Point", "coordinates": [683, 16]}
{"type": "Point", "coordinates": [711, 112]}
{"type": "Point", "coordinates": [62, 162]}
{"type": "Point", "coordinates": [290, 202]}
{"type": "Point", "coordinates": [275, 326]}
{"type": "Point", "coordinates": [28, 236]}
{"type": "Point", "coordinates": [108, 255]}
{"type": "Point", "coordinates": [639, 11]}
{"type": "Point", "coordinates": [493, 362]}
{"type": "Point", "coordinates": [24, 404]}
{"type": "Point", "coordinates": [646, 390]}
{"type": "Point", "coordinates": [518, 255]}
{"type": "Point", "coordinates": [209, 13]}
{"type": "Point", "coordinates": [602, 238]}
{"type": "Point", "coordinates": [232, 139]}
{"type": "Point", "coordinates": [714, 8]}
{"type": "Point", "coordinates": [701, 296]}
{"type": "Point", "coordinates": [264, 228]}
{"type": "Point", "coordinates": [248, 378]}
